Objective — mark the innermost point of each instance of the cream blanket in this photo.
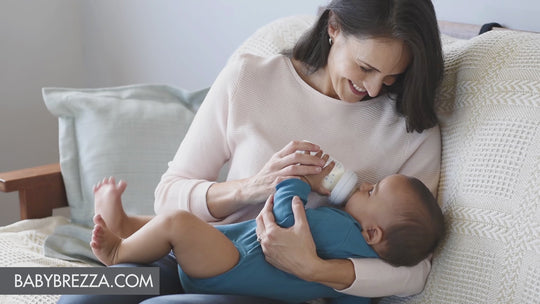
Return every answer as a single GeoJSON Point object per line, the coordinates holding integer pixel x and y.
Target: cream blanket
{"type": "Point", "coordinates": [21, 245]}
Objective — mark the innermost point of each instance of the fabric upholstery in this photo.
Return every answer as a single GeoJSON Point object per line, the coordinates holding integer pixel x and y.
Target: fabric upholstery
{"type": "Point", "coordinates": [489, 111]}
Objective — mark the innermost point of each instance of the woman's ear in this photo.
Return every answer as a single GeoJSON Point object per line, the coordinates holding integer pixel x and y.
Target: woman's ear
{"type": "Point", "coordinates": [333, 26]}
{"type": "Point", "coordinates": [373, 235]}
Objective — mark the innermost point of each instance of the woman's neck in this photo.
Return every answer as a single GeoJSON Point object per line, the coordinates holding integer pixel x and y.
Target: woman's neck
{"type": "Point", "coordinates": [318, 80]}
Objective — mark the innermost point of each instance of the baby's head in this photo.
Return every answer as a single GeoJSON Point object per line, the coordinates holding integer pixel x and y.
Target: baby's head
{"type": "Point", "coordinates": [400, 218]}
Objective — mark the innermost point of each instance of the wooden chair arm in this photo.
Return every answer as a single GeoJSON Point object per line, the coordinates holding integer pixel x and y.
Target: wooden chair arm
{"type": "Point", "coordinates": [41, 189]}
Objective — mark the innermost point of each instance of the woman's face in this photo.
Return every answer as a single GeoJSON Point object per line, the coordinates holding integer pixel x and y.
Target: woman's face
{"type": "Point", "coordinates": [357, 69]}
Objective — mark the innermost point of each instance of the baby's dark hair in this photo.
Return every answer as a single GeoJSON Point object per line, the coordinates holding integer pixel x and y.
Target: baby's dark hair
{"type": "Point", "coordinates": [418, 230]}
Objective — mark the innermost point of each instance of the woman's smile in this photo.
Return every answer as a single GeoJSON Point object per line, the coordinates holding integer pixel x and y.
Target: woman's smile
{"type": "Point", "coordinates": [357, 90]}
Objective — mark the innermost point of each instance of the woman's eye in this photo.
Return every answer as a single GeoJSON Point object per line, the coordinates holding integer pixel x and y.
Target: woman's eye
{"type": "Point", "coordinates": [364, 69]}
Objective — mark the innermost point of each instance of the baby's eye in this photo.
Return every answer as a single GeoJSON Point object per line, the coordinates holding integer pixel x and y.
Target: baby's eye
{"type": "Point", "coordinates": [370, 191]}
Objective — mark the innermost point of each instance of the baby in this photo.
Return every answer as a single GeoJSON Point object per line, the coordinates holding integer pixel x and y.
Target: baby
{"type": "Point", "coordinates": [397, 220]}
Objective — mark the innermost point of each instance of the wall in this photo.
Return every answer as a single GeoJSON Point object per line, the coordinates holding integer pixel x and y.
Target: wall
{"type": "Point", "coordinates": [41, 45]}
{"type": "Point", "coordinates": [95, 43]}
{"type": "Point", "coordinates": [184, 43]}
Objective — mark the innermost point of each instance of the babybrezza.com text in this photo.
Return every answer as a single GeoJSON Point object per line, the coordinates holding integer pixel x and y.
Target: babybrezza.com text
{"type": "Point", "coordinates": [80, 280]}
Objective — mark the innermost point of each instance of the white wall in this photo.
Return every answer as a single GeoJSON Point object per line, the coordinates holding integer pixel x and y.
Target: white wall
{"type": "Point", "coordinates": [184, 43]}
{"type": "Point", "coordinates": [40, 46]}
{"type": "Point", "coordinates": [95, 43]}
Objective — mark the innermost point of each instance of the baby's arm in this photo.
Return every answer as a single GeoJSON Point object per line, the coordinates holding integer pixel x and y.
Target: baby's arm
{"type": "Point", "coordinates": [302, 186]}
{"type": "Point", "coordinates": [285, 191]}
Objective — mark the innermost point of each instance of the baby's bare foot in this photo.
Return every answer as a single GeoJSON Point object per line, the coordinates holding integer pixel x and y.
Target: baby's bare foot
{"type": "Point", "coordinates": [108, 203]}
{"type": "Point", "coordinates": [104, 242]}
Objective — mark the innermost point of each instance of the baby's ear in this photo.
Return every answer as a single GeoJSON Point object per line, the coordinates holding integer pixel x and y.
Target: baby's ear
{"type": "Point", "coordinates": [373, 235]}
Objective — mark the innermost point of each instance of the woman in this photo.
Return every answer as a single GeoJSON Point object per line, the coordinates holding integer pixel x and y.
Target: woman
{"type": "Point", "coordinates": [361, 82]}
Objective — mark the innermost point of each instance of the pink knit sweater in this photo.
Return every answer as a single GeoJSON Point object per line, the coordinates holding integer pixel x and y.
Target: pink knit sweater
{"type": "Point", "coordinates": [255, 107]}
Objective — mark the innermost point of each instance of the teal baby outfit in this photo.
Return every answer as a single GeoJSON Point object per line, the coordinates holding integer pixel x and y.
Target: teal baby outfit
{"type": "Point", "coordinates": [337, 235]}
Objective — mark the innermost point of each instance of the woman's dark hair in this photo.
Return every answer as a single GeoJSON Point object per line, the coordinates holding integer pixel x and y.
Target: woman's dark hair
{"type": "Point", "coordinates": [412, 21]}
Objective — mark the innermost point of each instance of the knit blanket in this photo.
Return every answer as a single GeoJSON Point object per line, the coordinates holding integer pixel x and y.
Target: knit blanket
{"type": "Point", "coordinates": [21, 245]}
{"type": "Point", "coordinates": [489, 111]}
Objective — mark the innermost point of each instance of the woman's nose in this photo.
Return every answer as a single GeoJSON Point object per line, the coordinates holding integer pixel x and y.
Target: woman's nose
{"type": "Point", "coordinates": [373, 87]}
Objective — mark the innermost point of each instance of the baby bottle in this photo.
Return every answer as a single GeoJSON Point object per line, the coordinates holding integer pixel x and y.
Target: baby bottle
{"type": "Point", "coordinates": [340, 183]}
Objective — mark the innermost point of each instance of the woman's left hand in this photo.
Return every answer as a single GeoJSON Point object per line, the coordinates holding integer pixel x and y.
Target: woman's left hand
{"type": "Point", "coordinates": [290, 249]}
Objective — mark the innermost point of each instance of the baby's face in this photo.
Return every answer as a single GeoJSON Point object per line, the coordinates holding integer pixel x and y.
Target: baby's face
{"type": "Point", "coordinates": [377, 203]}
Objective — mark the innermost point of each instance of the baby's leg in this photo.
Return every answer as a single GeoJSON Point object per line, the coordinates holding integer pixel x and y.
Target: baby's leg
{"type": "Point", "coordinates": [201, 250]}
{"type": "Point", "coordinates": [108, 203]}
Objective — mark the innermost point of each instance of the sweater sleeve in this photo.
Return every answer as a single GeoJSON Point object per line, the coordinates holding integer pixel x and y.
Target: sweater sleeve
{"type": "Point", "coordinates": [202, 153]}
{"type": "Point", "coordinates": [374, 278]}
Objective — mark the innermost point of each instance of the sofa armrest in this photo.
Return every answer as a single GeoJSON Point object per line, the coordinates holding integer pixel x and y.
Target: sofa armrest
{"type": "Point", "coordinates": [41, 189]}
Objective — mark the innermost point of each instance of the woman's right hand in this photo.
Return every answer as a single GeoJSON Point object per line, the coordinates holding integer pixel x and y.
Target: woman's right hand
{"type": "Point", "coordinates": [284, 164]}
{"type": "Point", "coordinates": [223, 199]}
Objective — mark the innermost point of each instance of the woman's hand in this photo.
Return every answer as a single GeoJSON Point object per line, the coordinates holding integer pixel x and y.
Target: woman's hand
{"type": "Point", "coordinates": [224, 199]}
{"type": "Point", "coordinates": [284, 164]}
{"type": "Point", "coordinates": [289, 249]}
{"type": "Point", "coordinates": [293, 250]}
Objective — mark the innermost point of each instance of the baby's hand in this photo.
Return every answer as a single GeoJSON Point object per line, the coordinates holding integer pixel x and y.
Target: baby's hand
{"type": "Point", "coordinates": [316, 180]}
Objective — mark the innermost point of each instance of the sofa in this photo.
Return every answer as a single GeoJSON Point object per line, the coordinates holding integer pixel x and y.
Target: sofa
{"type": "Point", "coordinates": [489, 111]}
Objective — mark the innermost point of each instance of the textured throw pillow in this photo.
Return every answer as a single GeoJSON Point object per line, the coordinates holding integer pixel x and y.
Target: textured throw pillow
{"type": "Point", "coordinates": [128, 132]}
{"type": "Point", "coordinates": [489, 111]}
